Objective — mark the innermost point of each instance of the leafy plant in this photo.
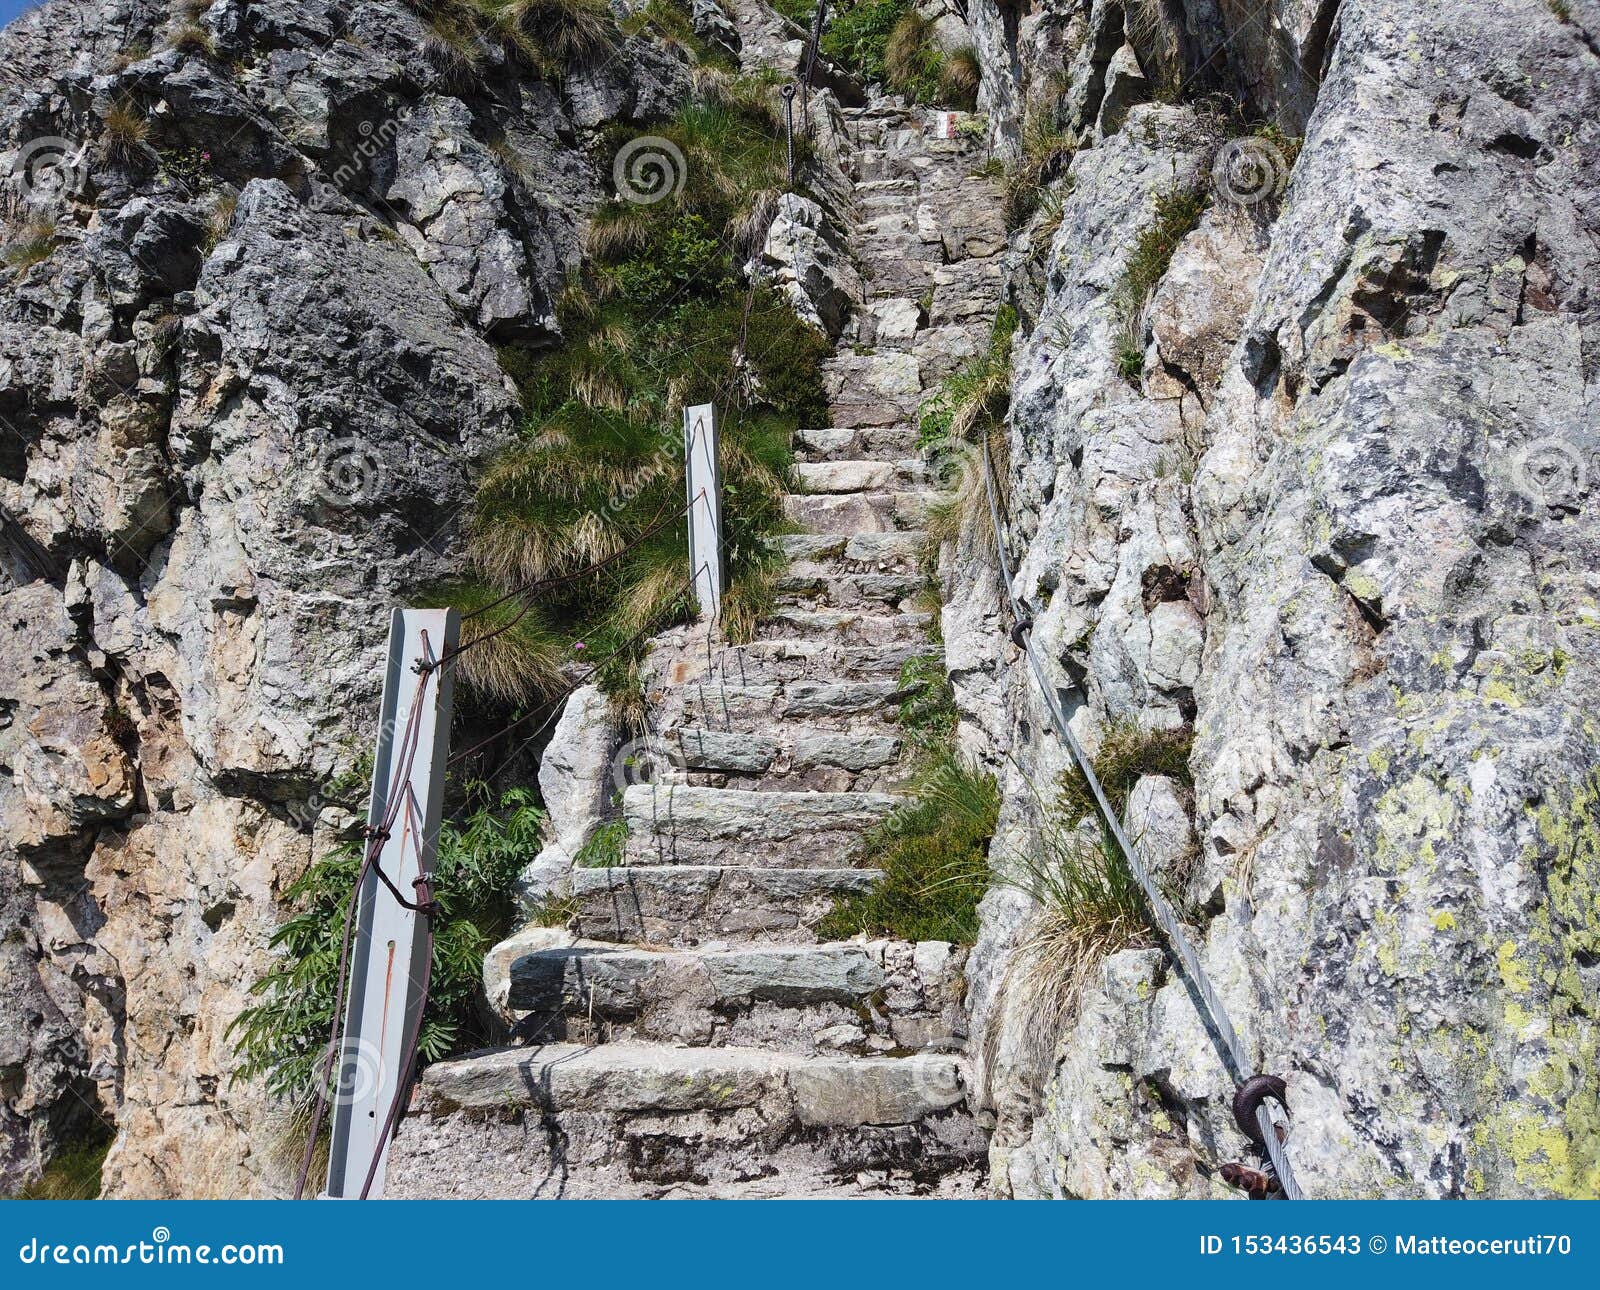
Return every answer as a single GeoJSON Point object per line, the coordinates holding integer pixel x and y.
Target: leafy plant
{"type": "Point", "coordinates": [857, 38]}
{"type": "Point", "coordinates": [283, 1037]}
{"type": "Point", "coordinates": [604, 849]}
{"type": "Point", "coordinates": [934, 855]}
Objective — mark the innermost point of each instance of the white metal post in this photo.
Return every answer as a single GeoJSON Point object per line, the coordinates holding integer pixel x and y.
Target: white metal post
{"type": "Point", "coordinates": [705, 507]}
{"type": "Point", "coordinates": [387, 960]}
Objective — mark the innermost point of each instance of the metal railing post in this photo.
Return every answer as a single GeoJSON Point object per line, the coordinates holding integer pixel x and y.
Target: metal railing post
{"type": "Point", "coordinates": [389, 960]}
{"type": "Point", "coordinates": [704, 480]}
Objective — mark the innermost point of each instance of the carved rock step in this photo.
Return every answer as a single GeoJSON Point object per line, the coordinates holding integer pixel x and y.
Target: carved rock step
{"type": "Point", "coordinates": [762, 706]}
{"type": "Point", "coordinates": [857, 476]}
{"type": "Point", "coordinates": [680, 824]}
{"type": "Point", "coordinates": [788, 751]}
{"type": "Point", "coordinates": [624, 1119]}
{"type": "Point", "coordinates": [854, 997]}
{"type": "Point", "coordinates": [687, 904]}
{"type": "Point", "coordinates": [897, 552]}
{"type": "Point", "coordinates": [839, 444]}
{"type": "Point", "coordinates": [805, 583]}
{"type": "Point", "coordinates": [877, 389]}
{"type": "Point", "coordinates": [769, 661]}
{"type": "Point", "coordinates": [816, 1092]}
{"type": "Point", "coordinates": [846, 626]}
{"type": "Point", "coordinates": [859, 512]}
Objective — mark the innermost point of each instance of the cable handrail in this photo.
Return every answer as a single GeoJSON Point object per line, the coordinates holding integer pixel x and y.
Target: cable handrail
{"type": "Point", "coordinates": [1253, 1093]}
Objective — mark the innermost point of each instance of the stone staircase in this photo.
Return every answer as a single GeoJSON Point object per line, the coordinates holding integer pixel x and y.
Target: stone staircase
{"type": "Point", "coordinates": [688, 1034]}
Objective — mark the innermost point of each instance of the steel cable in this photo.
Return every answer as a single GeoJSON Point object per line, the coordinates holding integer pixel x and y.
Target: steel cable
{"type": "Point", "coordinates": [1165, 917]}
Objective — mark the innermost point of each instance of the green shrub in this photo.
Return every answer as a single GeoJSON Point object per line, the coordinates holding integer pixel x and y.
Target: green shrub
{"type": "Point", "coordinates": [1177, 212]}
{"type": "Point", "coordinates": [858, 37]}
{"type": "Point", "coordinates": [934, 855]}
{"type": "Point", "coordinates": [283, 1037]}
{"type": "Point", "coordinates": [657, 323]}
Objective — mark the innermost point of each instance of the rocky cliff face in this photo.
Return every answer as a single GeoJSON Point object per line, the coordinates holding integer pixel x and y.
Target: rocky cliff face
{"type": "Point", "coordinates": [259, 256]}
{"type": "Point", "coordinates": [1339, 518]}
{"type": "Point", "coordinates": [1319, 493]}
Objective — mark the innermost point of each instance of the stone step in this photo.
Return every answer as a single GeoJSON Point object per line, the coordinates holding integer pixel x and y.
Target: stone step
{"type": "Point", "coordinates": [843, 444]}
{"type": "Point", "coordinates": [679, 824]}
{"type": "Point", "coordinates": [845, 626]}
{"type": "Point", "coordinates": [563, 1119]}
{"type": "Point", "coordinates": [688, 904]}
{"type": "Point", "coordinates": [812, 586]}
{"type": "Point", "coordinates": [896, 279]}
{"type": "Point", "coordinates": [835, 703]}
{"type": "Point", "coordinates": [857, 476]}
{"type": "Point", "coordinates": [793, 751]}
{"type": "Point", "coordinates": [769, 661]}
{"type": "Point", "coordinates": [882, 388]}
{"type": "Point", "coordinates": [848, 513]}
{"type": "Point", "coordinates": [897, 552]}
{"type": "Point", "coordinates": [878, 996]}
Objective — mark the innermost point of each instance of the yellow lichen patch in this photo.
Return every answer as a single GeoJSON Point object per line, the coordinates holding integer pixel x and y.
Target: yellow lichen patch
{"type": "Point", "coordinates": [1512, 974]}
{"type": "Point", "coordinates": [1444, 920]}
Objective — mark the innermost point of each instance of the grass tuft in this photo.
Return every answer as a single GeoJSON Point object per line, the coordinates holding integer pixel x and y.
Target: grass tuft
{"type": "Point", "coordinates": [74, 1174]}
{"type": "Point", "coordinates": [33, 244]}
{"type": "Point", "coordinates": [934, 855]}
{"type": "Point", "coordinates": [1177, 212]}
{"type": "Point", "coordinates": [1087, 906]}
{"type": "Point", "coordinates": [126, 131]}
{"type": "Point", "coordinates": [191, 38]}
{"type": "Point", "coordinates": [1126, 754]}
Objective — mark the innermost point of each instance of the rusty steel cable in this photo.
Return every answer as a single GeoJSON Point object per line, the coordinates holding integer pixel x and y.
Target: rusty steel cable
{"type": "Point", "coordinates": [1161, 910]}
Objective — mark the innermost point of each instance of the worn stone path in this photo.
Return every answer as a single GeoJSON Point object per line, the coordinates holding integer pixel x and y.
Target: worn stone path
{"type": "Point", "coordinates": [693, 1037]}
